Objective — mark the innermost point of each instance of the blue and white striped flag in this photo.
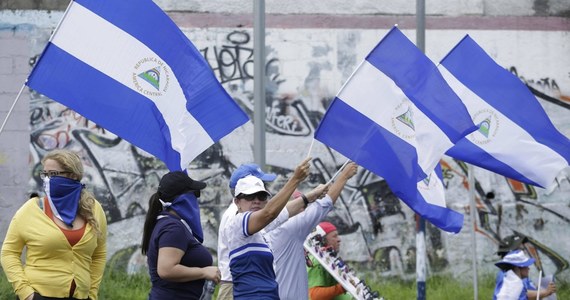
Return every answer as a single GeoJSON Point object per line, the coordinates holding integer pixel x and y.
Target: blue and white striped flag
{"type": "Point", "coordinates": [515, 137]}
{"type": "Point", "coordinates": [396, 117]}
{"type": "Point", "coordinates": [126, 66]}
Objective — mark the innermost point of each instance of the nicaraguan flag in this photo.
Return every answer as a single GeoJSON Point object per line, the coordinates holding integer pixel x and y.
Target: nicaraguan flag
{"type": "Point", "coordinates": [396, 117]}
{"type": "Point", "coordinates": [431, 188]}
{"type": "Point", "coordinates": [126, 66]}
{"type": "Point", "coordinates": [515, 137]}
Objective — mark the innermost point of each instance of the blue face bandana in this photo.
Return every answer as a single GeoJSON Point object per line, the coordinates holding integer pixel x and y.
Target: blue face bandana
{"type": "Point", "coordinates": [63, 195]}
{"type": "Point", "coordinates": [186, 206]}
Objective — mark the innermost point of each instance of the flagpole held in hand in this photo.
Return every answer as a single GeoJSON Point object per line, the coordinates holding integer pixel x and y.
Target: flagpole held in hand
{"type": "Point", "coordinates": [311, 148]}
{"type": "Point", "coordinates": [12, 108]}
{"type": "Point", "coordinates": [22, 88]}
{"type": "Point", "coordinates": [338, 172]}
{"type": "Point", "coordinates": [538, 284]}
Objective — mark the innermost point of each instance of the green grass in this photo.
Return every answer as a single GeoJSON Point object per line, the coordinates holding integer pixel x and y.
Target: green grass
{"type": "Point", "coordinates": [446, 288]}
{"type": "Point", "coordinates": [437, 287]}
{"type": "Point", "coordinates": [118, 285]}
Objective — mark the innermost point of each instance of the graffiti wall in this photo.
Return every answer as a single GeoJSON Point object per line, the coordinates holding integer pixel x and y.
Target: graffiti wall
{"type": "Point", "coordinates": [305, 68]}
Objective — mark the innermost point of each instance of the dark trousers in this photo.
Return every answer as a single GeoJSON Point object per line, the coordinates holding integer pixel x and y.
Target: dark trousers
{"type": "Point", "coordinates": [40, 297]}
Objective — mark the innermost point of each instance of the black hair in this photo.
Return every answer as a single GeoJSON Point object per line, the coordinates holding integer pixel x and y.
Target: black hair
{"type": "Point", "coordinates": [154, 208]}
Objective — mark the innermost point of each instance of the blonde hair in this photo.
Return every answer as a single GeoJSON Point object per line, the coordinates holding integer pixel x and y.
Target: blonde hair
{"type": "Point", "coordinates": [71, 162]}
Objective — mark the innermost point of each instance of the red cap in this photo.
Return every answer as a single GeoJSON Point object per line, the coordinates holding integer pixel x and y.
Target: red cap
{"type": "Point", "coordinates": [327, 227]}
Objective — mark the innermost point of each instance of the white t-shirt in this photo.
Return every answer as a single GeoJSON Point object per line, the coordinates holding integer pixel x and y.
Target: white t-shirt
{"type": "Point", "coordinates": [512, 288]}
{"type": "Point", "coordinates": [286, 242]}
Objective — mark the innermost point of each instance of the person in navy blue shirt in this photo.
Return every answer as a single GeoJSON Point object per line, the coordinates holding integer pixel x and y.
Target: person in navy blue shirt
{"type": "Point", "coordinates": [172, 240]}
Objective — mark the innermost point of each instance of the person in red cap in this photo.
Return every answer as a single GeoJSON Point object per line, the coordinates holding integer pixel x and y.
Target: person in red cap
{"type": "Point", "coordinates": [287, 240]}
{"type": "Point", "coordinates": [322, 286]}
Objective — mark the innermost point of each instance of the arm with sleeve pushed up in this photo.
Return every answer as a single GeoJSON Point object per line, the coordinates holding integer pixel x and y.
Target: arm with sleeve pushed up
{"type": "Point", "coordinates": [316, 212]}
{"type": "Point", "coordinates": [259, 219]}
{"type": "Point", "coordinates": [297, 205]}
{"type": "Point", "coordinates": [337, 186]}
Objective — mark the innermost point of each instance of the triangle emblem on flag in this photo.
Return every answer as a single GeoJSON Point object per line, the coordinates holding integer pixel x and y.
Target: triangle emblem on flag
{"type": "Point", "coordinates": [407, 118]}
{"type": "Point", "coordinates": [151, 76]}
{"type": "Point", "coordinates": [485, 126]}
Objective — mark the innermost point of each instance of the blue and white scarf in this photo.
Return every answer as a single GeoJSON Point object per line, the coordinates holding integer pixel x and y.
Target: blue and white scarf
{"type": "Point", "coordinates": [186, 206]}
{"type": "Point", "coordinates": [63, 196]}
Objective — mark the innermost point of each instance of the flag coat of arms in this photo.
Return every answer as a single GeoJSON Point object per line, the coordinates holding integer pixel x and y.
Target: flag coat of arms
{"type": "Point", "coordinates": [515, 136]}
{"type": "Point", "coordinates": [396, 117]}
{"type": "Point", "coordinates": [126, 66]}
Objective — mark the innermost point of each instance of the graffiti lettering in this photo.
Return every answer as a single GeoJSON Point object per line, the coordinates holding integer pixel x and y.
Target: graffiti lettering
{"type": "Point", "coordinates": [544, 84]}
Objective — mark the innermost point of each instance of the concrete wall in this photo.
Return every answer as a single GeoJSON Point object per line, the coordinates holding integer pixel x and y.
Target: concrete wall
{"type": "Point", "coordinates": [334, 7]}
{"type": "Point", "coordinates": [311, 50]}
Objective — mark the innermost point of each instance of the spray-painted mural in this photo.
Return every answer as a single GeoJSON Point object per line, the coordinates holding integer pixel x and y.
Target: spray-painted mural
{"type": "Point", "coordinates": [305, 68]}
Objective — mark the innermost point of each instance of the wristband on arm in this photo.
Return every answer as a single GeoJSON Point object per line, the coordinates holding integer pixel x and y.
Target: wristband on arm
{"type": "Point", "coordinates": [305, 200]}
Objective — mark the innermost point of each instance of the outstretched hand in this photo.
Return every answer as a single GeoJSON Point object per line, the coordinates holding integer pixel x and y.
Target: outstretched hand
{"type": "Point", "coordinates": [302, 170]}
{"type": "Point", "coordinates": [349, 170]}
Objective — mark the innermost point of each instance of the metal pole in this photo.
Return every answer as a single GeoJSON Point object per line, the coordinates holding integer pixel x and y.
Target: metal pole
{"type": "Point", "coordinates": [259, 82]}
{"type": "Point", "coordinates": [421, 264]}
{"type": "Point", "coordinates": [473, 217]}
{"type": "Point", "coordinates": [37, 62]}
{"type": "Point", "coordinates": [12, 108]}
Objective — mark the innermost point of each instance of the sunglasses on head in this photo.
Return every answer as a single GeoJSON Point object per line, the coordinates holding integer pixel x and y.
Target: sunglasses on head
{"type": "Point", "coordinates": [261, 196]}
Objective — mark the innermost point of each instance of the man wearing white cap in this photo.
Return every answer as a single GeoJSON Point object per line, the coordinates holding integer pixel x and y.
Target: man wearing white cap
{"type": "Point", "coordinates": [293, 207]}
{"type": "Point", "coordinates": [515, 264]}
{"type": "Point", "coordinates": [518, 241]}
{"type": "Point", "coordinates": [226, 287]}
{"type": "Point", "coordinates": [251, 259]}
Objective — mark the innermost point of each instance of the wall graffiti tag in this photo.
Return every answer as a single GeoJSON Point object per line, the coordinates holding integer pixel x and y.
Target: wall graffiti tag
{"type": "Point", "coordinates": [368, 215]}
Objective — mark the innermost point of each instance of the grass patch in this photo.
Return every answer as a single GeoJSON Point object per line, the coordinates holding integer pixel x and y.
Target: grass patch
{"type": "Point", "coordinates": [437, 287]}
{"type": "Point", "coordinates": [118, 285]}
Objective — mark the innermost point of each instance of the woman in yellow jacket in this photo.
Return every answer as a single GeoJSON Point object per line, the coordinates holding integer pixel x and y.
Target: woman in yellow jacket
{"type": "Point", "coordinates": [64, 233]}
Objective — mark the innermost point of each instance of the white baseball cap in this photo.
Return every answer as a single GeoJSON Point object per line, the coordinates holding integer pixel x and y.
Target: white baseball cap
{"type": "Point", "coordinates": [250, 185]}
{"type": "Point", "coordinates": [515, 258]}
